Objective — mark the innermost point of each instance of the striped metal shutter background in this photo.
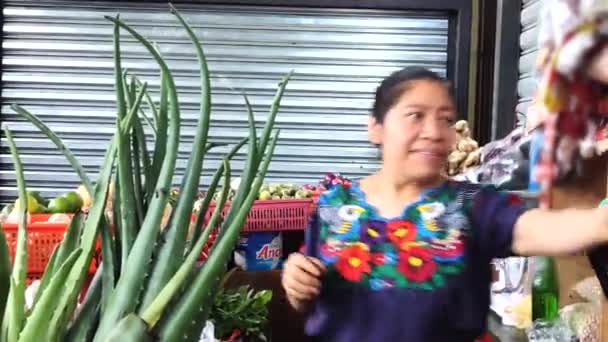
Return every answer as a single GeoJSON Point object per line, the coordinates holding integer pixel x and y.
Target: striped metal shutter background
{"type": "Point", "coordinates": [57, 62]}
{"type": "Point", "coordinates": [528, 83]}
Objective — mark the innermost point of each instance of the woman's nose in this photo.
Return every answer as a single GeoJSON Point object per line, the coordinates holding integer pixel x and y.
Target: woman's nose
{"type": "Point", "coordinates": [432, 129]}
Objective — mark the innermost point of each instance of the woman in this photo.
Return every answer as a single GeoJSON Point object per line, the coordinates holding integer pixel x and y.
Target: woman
{"type": "Point", "coordinates": [405, 253]}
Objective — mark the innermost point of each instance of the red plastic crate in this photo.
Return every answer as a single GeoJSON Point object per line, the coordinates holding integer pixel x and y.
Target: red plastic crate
{"type": "Point", "coordinates": [273, 215]}
{"type": "Point", "coordinates": [42, 237]}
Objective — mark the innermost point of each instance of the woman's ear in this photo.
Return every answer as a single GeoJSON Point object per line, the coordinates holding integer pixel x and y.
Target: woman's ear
{"type": "Point", "coordinates": [374, 130]}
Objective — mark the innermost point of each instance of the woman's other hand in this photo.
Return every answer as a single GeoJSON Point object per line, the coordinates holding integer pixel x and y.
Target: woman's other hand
{"type": "Point", "coordinates": [302, 279]}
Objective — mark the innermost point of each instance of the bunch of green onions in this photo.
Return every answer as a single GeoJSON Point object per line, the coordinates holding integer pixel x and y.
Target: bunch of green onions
{"type": "Point", "coordinates": [145, 289]}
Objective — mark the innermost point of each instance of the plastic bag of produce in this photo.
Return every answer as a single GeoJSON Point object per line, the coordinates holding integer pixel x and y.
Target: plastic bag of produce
{"type": "Point", "coordinates": [583, 319]}
{"type": "Point", "coordinates": [504, 163]}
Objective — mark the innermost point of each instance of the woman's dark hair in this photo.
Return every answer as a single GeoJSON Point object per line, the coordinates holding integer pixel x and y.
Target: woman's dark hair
{"type": "Point", "coordinates": [392, 87]}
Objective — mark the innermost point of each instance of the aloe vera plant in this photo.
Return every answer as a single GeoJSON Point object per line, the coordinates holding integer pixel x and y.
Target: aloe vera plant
{"type": "Point", "coordinates": [146, 287]}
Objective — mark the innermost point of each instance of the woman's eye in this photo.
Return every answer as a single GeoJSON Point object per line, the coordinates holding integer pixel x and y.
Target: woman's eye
{"type": "Point", "coordinates": [449, 120]}
{"type": "Point", "coordinates": [415, 115]}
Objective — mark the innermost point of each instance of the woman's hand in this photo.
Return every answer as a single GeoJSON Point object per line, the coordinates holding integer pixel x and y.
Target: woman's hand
{"type": "Point", "coordinates": [302, 279]}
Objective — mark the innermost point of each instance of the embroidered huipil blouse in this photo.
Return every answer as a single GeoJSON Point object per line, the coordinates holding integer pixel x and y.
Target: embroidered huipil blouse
{"type": "Point", "coordinates": [421, 277]}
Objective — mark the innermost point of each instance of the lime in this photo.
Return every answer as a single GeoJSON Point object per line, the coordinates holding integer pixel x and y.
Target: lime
{"type": "Point", "coordinates": [74, 201]}
{"type": "Point", "coordinates": [59, 205]}
{"type": "Point", "coordinates": [32, 204]}
{"type": "Point", "coordinates": [37, 196]}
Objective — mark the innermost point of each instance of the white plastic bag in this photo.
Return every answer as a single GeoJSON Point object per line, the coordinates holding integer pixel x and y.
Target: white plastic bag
{"type": "Point", "coordinates": [208, 334]}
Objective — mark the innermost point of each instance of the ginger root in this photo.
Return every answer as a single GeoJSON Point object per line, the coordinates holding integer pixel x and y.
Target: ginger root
{"type": "Point", "coordinates": [466, 152]}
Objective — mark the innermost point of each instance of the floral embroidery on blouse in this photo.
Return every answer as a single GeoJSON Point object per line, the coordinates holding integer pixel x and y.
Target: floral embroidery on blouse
{"type": "Point", "coordinates": [419, 249]}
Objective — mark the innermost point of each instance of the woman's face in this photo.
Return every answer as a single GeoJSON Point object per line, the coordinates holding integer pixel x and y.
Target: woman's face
{"type": "Point", "coordinates": [417, 133]}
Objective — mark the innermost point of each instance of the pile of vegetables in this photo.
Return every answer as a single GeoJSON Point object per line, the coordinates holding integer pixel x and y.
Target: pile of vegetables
{"type": "Point", "coordinates": [68, 203]}
{"type": "Point", "coordinates": [267, 192]}
{"type": "Point", "coordinates": [147, 288]}
{"type": "Point", "coordinates": [283, 191]}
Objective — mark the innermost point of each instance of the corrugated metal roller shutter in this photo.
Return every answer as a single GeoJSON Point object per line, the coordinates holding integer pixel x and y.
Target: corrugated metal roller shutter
{"type": "Point", "coordinates": [58, 63]}
{"type": "Point", "coordinates": [527, 85]}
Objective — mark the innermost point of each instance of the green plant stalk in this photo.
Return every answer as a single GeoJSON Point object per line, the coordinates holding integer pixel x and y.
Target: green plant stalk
{"type": "Point", "coordinates": [17, 291]}
{"type": "Point", "coordinates": [246, 179]}
{"type": "Point", "coordinates": [57, 141]}
{"type": "Point", "coordinates": [34, 326]}
{"type": "Point", "coordinates": [200, 216]}
{"type": "Point", "coordinates": [5, 274]}
{"type": "Point", "coordinates": [125, 295]}
{"type": "Point", "coordinates": [190, 312]}
{"type": "Point", "coordinates": [160, 145]}
{"type": "Point", "coordinates": [176, 235]}
{"type": "Point", "coordinates": [83, 327]}
{"type": "Point", "coordinates": [152, 314]}
{"type": "Point", "coordinates": [74, 282]}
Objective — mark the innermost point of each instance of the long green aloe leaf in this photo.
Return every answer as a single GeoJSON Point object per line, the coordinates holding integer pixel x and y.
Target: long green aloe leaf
{"type": "Point", "coordinates": [14, 313]}
{"type": "Point", "coordinates": [108, 263]}
{"type": "Point", "coordinates": [17, 291]}
{"type": "Point", "coordinates": [71, 240]}
{"type": "Point", "coordinates": [126, 293]}
{"type": "Point", "coordinates": [130, 328]}
{"type": "Point", "coordinates": [78, 273]}
{"type": "Point", "coordinates": [247, 178]}
{"type": "Point", "coordinates": [58, 142]}
{"type": "Point", "coordinates": [152, 107]}
{"type": "Point", "coordinates": [67, 153]}
{"type": "Point", "coordinates": [5, 274]}
{"type": "Point", "coordinates": [151, 315]}
{"type": "Point", "coordinates": [200, 216]}
{"type": "Point", "coordinates": [160, 145]}
{"type": "Point", "coordinates": [167, 261]}
{"type": "Point", "coordinates": [83, 327]}
{"type": "Point", "coordinates": [274, 109]}
{"type": "Point", "coordinates": [136, 150]}
{"type": "Point", "coordinates": [128, 217]}
{"type": "Point", "coordinates": [186, 321]}
{"type": "Point", "coordinates": [48, 274]}
{"type": "Point", "coordinates": [146, 164]}
{"type": "Point", "coordinates": [250, 166]}
{"type": "Point", "coordinates": [117, 224]}
{"type": "Point", "coordinates": [35, 324]}
{"type": "Point", "coordinates": [132, 114]}
{"type": "Point", "coordinates": [62, 251]}
{"type": "Point", "coordinates": [138, 194]}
